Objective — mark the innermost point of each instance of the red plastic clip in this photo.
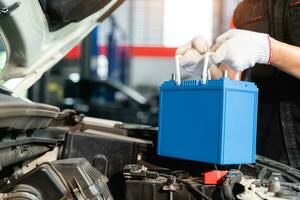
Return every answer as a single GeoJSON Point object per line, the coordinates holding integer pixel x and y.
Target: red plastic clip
{"type": "Point", "coordinates": [213, 177]}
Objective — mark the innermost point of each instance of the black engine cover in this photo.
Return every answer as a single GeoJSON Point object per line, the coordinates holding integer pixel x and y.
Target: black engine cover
{"type": "Point", "coordinates": [108, 153]}
{"type": "Point", "coordinates": [63, 179]}
{"type": "Point", "coordinates": [45, 180]}
{"type": "Point", "coordinates": [84, 180]}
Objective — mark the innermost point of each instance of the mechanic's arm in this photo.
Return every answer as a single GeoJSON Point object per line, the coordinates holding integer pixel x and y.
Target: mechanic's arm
{"type": "Point", "coordinates": [243, 49]}
{"type": "Point", "coordinates": [286, 57]}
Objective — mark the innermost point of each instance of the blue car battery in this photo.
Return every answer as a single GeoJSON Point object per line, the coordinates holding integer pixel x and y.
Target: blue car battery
{"type": "Point", "coordinates": [213, 122]}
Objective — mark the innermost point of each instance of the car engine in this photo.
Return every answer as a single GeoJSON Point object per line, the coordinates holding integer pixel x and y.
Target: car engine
{"type": "Point", "coordinates": [77, 157]}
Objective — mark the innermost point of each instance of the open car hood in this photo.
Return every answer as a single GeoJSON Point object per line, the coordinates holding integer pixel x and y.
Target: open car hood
{"type": "Point", "coordinates": [36, 34]}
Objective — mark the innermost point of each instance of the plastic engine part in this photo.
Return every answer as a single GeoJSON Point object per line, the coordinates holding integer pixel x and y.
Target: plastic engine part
{"type": "Point", "coordinates": [62, 179]}
{"type": "Point", "coordinates": [213, 177]}
{"type": "Point", "coordinates": [83, 178]}
{"type": "Point", "coordinates": [43, 179]}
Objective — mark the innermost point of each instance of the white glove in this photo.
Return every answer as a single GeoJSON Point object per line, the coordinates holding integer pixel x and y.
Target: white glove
{"type": "Point", "coordinates": [192, 53]}
{"type": "Point", "coordinates": [242, 49]}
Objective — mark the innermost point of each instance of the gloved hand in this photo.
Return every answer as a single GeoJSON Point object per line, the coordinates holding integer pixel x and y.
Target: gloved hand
{"type": "Point", "coordinates": [242, 49]}
{"type": "Point", "coordinates": [193, 55]}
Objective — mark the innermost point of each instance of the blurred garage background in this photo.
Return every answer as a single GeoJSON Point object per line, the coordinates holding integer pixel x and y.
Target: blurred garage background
{"type": "Point", "coordinates": [115, 73]}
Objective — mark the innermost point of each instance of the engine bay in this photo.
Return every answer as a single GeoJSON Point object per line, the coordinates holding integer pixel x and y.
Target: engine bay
{"type": "Point", "coordinates": [78, 157]}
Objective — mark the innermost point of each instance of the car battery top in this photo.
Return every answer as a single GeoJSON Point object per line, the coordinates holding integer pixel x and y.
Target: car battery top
{"type": "Point", "coordinates": [213, 122]}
